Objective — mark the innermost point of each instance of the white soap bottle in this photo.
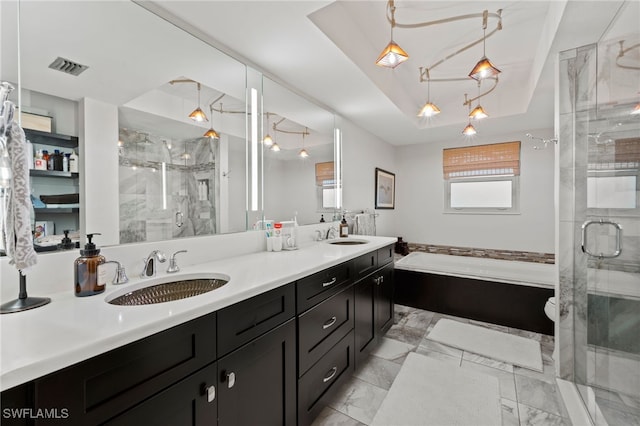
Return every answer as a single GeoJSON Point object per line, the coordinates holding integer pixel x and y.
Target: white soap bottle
{"type": "Point", "coordinates": [73, 162]}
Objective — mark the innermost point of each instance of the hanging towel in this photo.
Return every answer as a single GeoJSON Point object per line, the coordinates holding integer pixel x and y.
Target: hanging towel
{"type": "Point", "coordinates": [364, 224]}
{"type": "Point", "coordinates": [19, 239]}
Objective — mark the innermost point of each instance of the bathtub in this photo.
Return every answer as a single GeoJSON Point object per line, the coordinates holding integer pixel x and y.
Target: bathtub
{"type": "Point", "coordinates": [505, 271]}
{"type": "Point", "coordinates": [504, 292]}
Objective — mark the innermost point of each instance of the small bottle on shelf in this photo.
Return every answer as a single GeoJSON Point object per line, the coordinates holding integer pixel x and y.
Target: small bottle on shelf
{"type": "Point", "coordinates": [39, 163]}
{"type": "Point", "coordinates": [45, 158]}
{"type": "Point", "coordinates": [73, 162]}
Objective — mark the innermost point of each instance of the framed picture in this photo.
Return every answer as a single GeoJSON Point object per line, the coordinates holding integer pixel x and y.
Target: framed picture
{"type": "Point", "coordinates": [385, 189]}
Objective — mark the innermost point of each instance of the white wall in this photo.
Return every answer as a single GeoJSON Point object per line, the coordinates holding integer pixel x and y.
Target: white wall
{"type": "Point", "coordinates": [420, 195]}
{"type": "Point", "coordinates": [362, 152]}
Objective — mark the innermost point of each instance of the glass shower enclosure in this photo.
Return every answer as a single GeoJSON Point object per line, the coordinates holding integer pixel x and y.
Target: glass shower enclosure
{"type": "Point", "coordinates": [599, 221]}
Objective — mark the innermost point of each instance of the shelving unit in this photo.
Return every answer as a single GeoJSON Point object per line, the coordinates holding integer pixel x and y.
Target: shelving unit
{"type": "Point", "coordinates": [51, 182]}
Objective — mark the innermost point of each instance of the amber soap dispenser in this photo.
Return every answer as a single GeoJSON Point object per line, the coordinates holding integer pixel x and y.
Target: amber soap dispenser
{"type": "Point", "coordinates": [89, 275]}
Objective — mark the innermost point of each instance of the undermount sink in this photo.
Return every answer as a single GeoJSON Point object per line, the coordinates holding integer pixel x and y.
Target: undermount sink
{"type": "Point", "coordinates": [347, 242]}
{"type": "Point", "coordinates": [167, 291]}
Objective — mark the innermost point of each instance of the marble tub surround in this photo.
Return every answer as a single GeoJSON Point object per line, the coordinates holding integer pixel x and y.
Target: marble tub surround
{"type": "Point", "coordinates": [521, 256]}
{"type": "Point", "coordinates": [72, 329]}
{"type": "Point", "coordinates": [532, 400]}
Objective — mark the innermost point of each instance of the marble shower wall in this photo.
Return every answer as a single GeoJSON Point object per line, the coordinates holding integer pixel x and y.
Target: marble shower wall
{"type": "Point", "coordinates": [191, 187]}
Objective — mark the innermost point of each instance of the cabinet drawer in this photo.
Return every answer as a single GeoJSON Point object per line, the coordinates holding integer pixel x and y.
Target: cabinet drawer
{"type": "Point", "coordinates": [365, 264]}
{"type": "Point", "coordinates": [322, 326]}
{"type": "Point", "coordinates": [317, 287]}
{"type": "Point", "coordinates": [246, 320]}
{"type": "Point", "coordinates": [101, 387]}
{"type": "Point", "coordinates": [385, 255]}
{"type": "Point", "coordinates": [319, 384]}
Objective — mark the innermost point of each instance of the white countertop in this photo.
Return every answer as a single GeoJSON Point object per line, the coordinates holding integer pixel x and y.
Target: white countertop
{"type": "Point", "coordinates": [71, 329]}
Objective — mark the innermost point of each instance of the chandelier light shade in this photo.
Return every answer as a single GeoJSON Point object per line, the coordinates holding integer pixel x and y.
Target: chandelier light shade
{"type": "Point", "coordinates": [268, 140]}
{"type": "Point", "coordinates": [636, 110]}
{"type": "Point", "coordinates": [212, 134]}
{"type": "Point", "coordinates": [303, 153]}
{"type": "Point", "coordinates": [275, 147]}
{"type": "Point", "coordinates": [483, 69]}
{"type": "Point", "coordinates": [469, 130]}
{"type": "Point", "coordinates": [478, 113]}
{"type": "Point", "coordinates": [429, 110]}
{"type": "Point", "coordinates": [392, 55]}
{"type": "Point", "coordinates": [197, 114]}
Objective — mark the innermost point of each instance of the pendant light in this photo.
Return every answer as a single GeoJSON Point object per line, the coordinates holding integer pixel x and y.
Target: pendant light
{"type": "Point", "coordinates": [636, 110]}
{"type": "Point", "coordinates": [484, 68]}
{"type": "Point", "coordinates": [303, 152]}
{"type": "Point", "coordinates": [197, 114]}
{"type": "Point", "coordinates": [469, 130]}
{"type": "Point", "coordinates": [429, 109]}
{"type": "Point", "coordinates": [268, 140]}
{"type": "Point", "coordinates": [392, 55]}
{"type": "Point", "coordinates": [478, 113]}
{"type": "Point", "coordinates": [275, 147]}
{"type": "Point", "coordinates": [211, 133]}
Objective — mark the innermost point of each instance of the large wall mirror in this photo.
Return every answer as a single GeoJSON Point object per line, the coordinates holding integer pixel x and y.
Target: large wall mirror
{"type": "Point", "coordinates": [300, 167]}
{"type": "Point", "coordinates": [166, 175]}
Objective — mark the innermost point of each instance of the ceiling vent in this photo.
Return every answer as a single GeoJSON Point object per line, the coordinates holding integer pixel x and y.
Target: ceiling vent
{"type": "Point", "coordinates": [67, 66]}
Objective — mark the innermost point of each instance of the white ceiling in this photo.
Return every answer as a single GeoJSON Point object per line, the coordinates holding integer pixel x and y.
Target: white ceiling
{"type": "Point", "coordinates": [327, 51]}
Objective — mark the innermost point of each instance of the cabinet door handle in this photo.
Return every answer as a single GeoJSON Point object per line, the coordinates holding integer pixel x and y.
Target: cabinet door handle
{"type": "Point", "coordinates": [329, 323]}
{"type": "Point", "coordinates": [333, 281]}
{"type": "Point", "coordinates": [329, 376]}
{"type": "Point", "coordinates": [211, 393]}
{"type": "Point", "coordinates": [377, 280]}
{"type": "Point", "coordinates": [231, 380]}
{"type": "Point", "coordinates": [381, 278]}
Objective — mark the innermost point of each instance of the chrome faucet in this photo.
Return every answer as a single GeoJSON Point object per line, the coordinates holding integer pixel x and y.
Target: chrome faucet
{"type": "Point", "coordinates": [120, 277]}
{"type": "Point", "coordinates": [332, 232]}
{"type": "Point", "coordinates": [173, 265]}
{"type": "Point", "coordinates": [150, 268]}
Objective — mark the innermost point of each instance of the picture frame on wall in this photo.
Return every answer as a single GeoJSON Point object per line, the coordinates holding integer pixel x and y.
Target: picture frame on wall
{"type": "Point", "coordinates": [385, 189]}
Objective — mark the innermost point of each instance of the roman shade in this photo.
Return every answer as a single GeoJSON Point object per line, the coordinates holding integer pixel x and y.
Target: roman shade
{"type": "Point", "coordinates": [482, 160]}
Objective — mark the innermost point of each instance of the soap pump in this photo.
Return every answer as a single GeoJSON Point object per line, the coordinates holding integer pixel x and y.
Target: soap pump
{"type": "Point", "coordinates": [344, 227]}
{"type": "Point", "coordinates": [66, 243]}
{"type": "Point", "coordinates": [89, 275]}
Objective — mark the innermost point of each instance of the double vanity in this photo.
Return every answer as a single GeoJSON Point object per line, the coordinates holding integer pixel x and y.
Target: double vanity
{"type": "Point", "coordinates": [270, 346]}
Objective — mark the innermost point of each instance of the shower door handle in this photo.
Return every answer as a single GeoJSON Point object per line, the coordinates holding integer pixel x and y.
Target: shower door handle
{"type": "Point", "coordinates": [618, 229]}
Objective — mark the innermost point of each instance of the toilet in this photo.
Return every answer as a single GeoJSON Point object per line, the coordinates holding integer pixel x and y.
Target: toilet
{"type": "Point", "coordinates": [550, 310]}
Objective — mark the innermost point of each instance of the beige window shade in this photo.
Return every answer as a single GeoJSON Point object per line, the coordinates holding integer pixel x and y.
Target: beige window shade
{"type": "Point", "coordinates": [324, 173]}
{"type": "Point", "coordinates": [628, 150]}
{"type": "Point", "coordinates": [482, 160]}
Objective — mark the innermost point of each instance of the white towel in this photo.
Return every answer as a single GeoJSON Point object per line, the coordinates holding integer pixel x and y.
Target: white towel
{"type": "Point", "coordinates": [19, 240]}
{"type": "Point", "coordinates": [364, 224]}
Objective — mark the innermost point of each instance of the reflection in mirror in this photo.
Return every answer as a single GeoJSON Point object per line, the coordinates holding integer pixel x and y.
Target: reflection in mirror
{"type": "Point", "coordinates": [127, 57]}
{"type": "Point", "coordinates": [299, 164]}
{"type": "Point", "coordinates": [176, 177]}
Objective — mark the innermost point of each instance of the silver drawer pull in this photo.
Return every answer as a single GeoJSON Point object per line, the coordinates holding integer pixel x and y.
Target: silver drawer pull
{"type": "Point", "coordinates": [231, 380]}
{"type": "Point", "coordinates": [333, 281]}
{"type": "Point", "coordinates": [329, 323]}
{"type": "Point", "coordinates": [211, 393]}
{"type": "Point", "coordinates": [329, 376]}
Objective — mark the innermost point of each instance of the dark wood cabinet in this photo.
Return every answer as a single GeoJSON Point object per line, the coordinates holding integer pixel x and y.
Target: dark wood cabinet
{"type": "Point", "coordinates": [374, 308]}
{"type": "Point", "coordinates": [257, 382]}
{"type": "Point", "coordinates": [276, 359]}
{"type": "Point", "coordinates": [191, 401]}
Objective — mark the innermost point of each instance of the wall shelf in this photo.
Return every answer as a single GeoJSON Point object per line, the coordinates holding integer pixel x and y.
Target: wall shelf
{"type": "Point", "coordinates": [53, 173]}
{"type": "Point", "coordinates": [45, 138]}
{"type": "Point", "coordinates": [57, 210]}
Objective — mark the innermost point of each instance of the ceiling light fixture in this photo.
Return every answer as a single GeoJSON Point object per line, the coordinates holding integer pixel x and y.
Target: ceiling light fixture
{"type": "Point", "coordinates": [469, 130]}
{"type": "Point", "coordinates": [211, 133]}
{"type": "Point", "coordinates": [478, 113]}
{"type": "Point", "coordinates": [392, 55]}
{"type": "Point", "coordinates": [484, 68]}
{"type": "Point", "coordinates": [636, 110]}
{"type": "Point", "coordinates": [429, 109]}
{"type": "Point", "coordinates": [197, 114]}
{"type": "Point", "coordinates": [303, 152]}
{"type": "Point", "coordinates": [267, 140]}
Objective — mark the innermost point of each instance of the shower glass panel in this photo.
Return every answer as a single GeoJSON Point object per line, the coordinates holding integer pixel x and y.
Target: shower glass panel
{"type": "Point", "coordinates": [602, 139]}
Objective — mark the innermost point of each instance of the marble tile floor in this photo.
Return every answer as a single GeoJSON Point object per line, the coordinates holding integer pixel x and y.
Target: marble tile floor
{"type": "Point", "coordinates": [527, 397]}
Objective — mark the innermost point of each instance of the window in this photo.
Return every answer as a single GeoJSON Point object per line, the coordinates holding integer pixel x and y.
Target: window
{"type": "Point", "coordinates": [326, 186]}
{"type": "Point", "coordinates": [482, 178]}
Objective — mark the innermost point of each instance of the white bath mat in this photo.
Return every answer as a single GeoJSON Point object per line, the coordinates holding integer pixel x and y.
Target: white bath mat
{"type": "Point", "coordinates": [427, 391]}
{"type": "Point", "coordinates": [494, 344]}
